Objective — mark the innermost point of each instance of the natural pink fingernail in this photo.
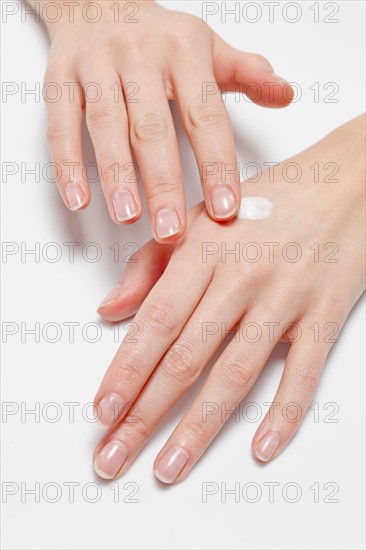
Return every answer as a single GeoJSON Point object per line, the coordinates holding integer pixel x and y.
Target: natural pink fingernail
{"type": "Point", "coordinates": [223, 202]}
{"type": "Point", "coordinates": [109, 460]}
{"type": "Point", "coordinates": [109, 409]}
{"type": "Point", "coordinates": [111, 297]}
{"type": "Point", "coordinates": [124, 204]}
{"type": "Point", "coordinates": [267, 446]}
{"type": "Point", "coordinates": [167, 223]}
{"type": "Point", "coordinates": [171, 464]}
{"type": "Point", "coordinates": [75, 196]}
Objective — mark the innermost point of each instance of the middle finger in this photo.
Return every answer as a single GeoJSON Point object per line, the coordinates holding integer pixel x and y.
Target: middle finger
{"type": "Point", "coordinates": [154, 142]}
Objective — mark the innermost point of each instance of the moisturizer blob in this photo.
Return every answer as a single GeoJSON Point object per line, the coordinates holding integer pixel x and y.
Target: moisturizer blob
{"type": "Point", "coordinates": [255, 208]}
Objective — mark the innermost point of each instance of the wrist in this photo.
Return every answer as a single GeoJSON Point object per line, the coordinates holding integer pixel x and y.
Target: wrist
{"type": "Point", "coordinates": [351, 151]}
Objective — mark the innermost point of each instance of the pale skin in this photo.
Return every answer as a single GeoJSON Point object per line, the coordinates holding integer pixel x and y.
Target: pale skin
{"type": "Point", "coordinates": [181, 295]}
{"type": "Point", "coordinates": [137, 70]}
{"type": "Point", "coordinates": [176, 294]}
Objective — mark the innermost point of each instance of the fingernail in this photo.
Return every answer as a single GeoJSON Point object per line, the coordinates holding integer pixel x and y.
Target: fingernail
{"type": "Point", "coordinates": [111, 297]}
{"type": "Point", "coordinates": [109, 409]}
{"type": "Point", "coordinates": [109, 460]}
{"type": "Point", "coordinates": [171, 464]}
{"type": "Point", "coordinates": [124, 204]}
{"type": "Point", "coordinates": [267, 447]}
{"type": "Point", "coordinates": [223, 202]}
{"type": "Point", "coordinates": [75, 196]}
{"type": "Point", "coordinates": [167, 223]}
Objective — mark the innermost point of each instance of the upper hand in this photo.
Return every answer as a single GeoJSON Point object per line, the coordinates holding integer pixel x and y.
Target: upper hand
{"type": "Point", "coordinates": [123, 74]}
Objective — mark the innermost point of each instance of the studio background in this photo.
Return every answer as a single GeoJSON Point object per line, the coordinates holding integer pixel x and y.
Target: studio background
{"type": "Point", "coordinates": [324, 462]}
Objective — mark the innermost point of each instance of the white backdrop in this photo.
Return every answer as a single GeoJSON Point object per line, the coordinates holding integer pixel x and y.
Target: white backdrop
{"type": "Point", "coordinates": [323, 506]}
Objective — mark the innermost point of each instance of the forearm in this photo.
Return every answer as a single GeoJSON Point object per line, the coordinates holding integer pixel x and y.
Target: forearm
{"type": "Point", "coordinates": [342, 151]}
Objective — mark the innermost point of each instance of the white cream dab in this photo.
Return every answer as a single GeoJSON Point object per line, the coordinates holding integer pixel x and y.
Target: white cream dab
{"type": "Point", "coordinates": [255, 208]}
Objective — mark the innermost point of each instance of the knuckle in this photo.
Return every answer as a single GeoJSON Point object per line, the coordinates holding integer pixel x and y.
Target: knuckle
{"type": "Point", "coordinates": [58, 134]}
{"type": "Point", "coordinates": [162, 184]}
{"type": "Point", "coordinates": [94, 44]}
{"type": "Point", "coordinates": [306, 377]}
{"type": "Point", "coordinates": [87, 48]}
{"type": "Point", "coordinates": [161, 318]}
{"type": "Point", "coordinates": [126, 373]}
{"type": "Point", "coordinates": [195, 430]}
{"type": "Point", "coordinates": [184, 38]}
{"type": "Point", "coordinates": [99, 116]}
{"type": "Point", "coordinates": [247, 278]}
{"type": "Point", "coordinates": [332, 302]}
{"type": "Point", "coordinates": [239, 372]}
{"type": "Point", "coordinates": [178, 363]}
{"type": "Point", "coordinates": [259, 59]}
{"type": "Point", "coordinates": [205, 116]}
{"type": "Point", "coordinates": [149, 128]}
{"type": "Point", "coordinates": [133, 40]}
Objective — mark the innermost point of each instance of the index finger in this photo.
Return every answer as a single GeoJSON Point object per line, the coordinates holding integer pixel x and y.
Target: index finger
{"type": "Point", "coordinates": [209, 130]}
{"type": "Point", "coordinates": [156, 325]}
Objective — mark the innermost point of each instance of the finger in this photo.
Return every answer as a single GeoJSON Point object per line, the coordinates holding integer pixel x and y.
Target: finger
{"type": "Point", "coordinates": [299, 381]}
{"type": "Point", "coordinates": [229, 381]}
{"type": "Point", "coordinates": [107, 122]}
{"type": "Point", "coordinates": [143, 270]}
{"type": "Point", "coordinates": [64, 138]}
{"type": "Point", "coordinates": [155, 145]}
{"type": "Point", "coordinates": [156, 325]}
{"type": "Point", "coordinates": [251, 74]}
{"type": "Point", "coordinates": [208, 127]}
{"type": "Point", "coordinates": [175, 374]}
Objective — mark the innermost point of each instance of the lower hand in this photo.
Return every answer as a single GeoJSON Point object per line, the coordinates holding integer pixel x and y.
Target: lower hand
{"type": "Point", "coordinates": [301, 293]}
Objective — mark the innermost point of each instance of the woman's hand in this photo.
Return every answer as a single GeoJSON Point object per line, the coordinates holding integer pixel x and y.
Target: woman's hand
{"type": "Point", "coordinates": [122, 69]}
{"type": "Point", "coordinates": [294, 276]}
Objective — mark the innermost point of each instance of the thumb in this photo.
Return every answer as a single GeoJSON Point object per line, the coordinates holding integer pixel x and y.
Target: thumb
{"type": "Point", "coordinates": [251, 74]}
{"type": "Point", "coordinates": [142, 272]}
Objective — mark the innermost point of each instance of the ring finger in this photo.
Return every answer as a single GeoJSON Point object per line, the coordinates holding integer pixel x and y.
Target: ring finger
{"type": "Point", "coordinates": [154, 142]}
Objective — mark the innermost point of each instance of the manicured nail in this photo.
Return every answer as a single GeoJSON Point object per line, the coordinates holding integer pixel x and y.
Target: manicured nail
{"type": "Point", "coordinates": [267, 447]}
{"type": "Point", "coordinates": [111, 297]}
{"type": "Point", "coordinates": [75, 196]}
{"type": "Point", "coordinates": [223, 202]}
{"type": "Point", "coordinates": [171, 464]}
{"type": "Point", "coordinates": [109, 410]}
{"type": "Point", "coordinates": [124, 204]}
{"type": "Point", "coordinates": [109, 460]}
{"type": "Point", "coordinates": [167, 223]}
